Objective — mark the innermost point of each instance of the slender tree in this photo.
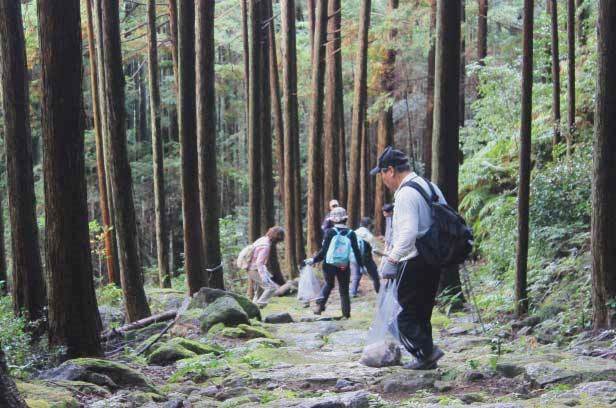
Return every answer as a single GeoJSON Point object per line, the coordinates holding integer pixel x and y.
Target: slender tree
{"type": "Point", "coordinates": [462, 116]}
{"type": "Point", "coordinates": [73, 314]}
{"type": "Point", "coordinates": [482, 31]}
{"type": "Point", "coordinates": [571, 73]}
{"type": "Point", "coordinates": [427, 137]}
{"type": "Point", "coordinates": [120, 172]}
{"type": "Point", "coordinates": [3, 268]}
{"type": "Point", "coordinates": [162, 250]}
{"type": "Point", "coordinates": [445, 142]}
{"type": "Point", "coordinates": [315, 131]}
{"type": "Point", "coordinates": [555, 74]}
{"type": "Point", "coordinates": [603, 225]}
{"type": "Point", "coordinates": [359, 111]}
{"type": "Point", "coordinates": [28, 283]}
{"type": "Point", "coordinates": [246, 55]}
{"type": "Point", "coordinates": [193, 242]}
{"type": "Point", "coordinates": [521, 298]}
{"type": "Point", "coordinates": [291, 137]}
{"type": "Point", "coordinates": [9, 396]}
{"type": "Point", "coordinates": [385, 132]}
{"type": "Point", "coordinates": [583, 14]}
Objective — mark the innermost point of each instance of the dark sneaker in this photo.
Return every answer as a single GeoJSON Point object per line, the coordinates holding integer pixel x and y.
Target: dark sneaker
{"type": "Point", "coordinates": [317, 309]}
{"type": "Point", "coordinates": [429, 363]}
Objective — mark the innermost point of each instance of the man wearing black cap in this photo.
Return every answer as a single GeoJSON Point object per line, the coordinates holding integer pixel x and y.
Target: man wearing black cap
{"type": "Point", "coordinates": [417, 281]}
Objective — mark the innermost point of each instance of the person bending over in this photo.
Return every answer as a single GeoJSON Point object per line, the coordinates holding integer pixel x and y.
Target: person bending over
{"type": "Point", "coordinates": [365, 241]}
{"type": "Point", "coordinates": [257, 268]}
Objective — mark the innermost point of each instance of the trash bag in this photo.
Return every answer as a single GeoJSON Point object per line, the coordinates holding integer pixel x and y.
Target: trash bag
{"type": "Point", "coordinates": [385, 324]}
{"type": "Point", "coordinates": [309, 287]}
{"type": "Point", "coordinates": [382, 354]}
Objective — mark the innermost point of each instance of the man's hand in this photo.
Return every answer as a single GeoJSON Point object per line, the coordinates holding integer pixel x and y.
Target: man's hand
{"type": "Point", "coordinates": [307, 262]}
{"type": "Point", "coordinates": [389, 269]}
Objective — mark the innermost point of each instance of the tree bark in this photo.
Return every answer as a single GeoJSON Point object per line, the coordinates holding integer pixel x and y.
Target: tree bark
{"type": "Point", "coordinates": [193, 241]}
{"type": "Point", "coordinates": [385, 132]}
{"type": "Point", "coordinates": [603, 225]}
{"type": "Point", "coordinates": [125, 225]}
{"type": "Point", "coordinates": [445, 142]}
{"type": "Point", "coordinates": [359, 112]}
{"type": "Point", "coordinates": [482, 31]}
{"type": "Point", "coordinates": [555, 74]}
{"type": "Point", "coordinates": [315, 131]}
{"type": "Point", "coordinates": [427, 137]}
{"type": "Point", "coordinates": [9, 396]}
{"type": "Point", "coordinates": [162, 249]}
{"type": "Point", "coordinates": [364, 187]}
{"type": "Point", "coordinates": [246, 54]}
{"type": "Point", "coordinates": [28, 283]}
{"type": "Point", "coordinates": [583, 14]}
{"type": "Point", "coordinates": [291, 138]}
{"type": "Point", "coordinates": [571, 72]}
{"type": "Point", "coordinates": [521, 298]}
{"type": "Point", "coordinates": [3, 270]}
{"type": "Point", "coordinates": [462, 116]}
{"type": "Point", "coordinates": [73, 314]}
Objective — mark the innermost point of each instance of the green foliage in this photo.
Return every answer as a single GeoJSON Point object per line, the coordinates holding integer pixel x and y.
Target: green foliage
{"type": "Point", "coordinates": [14, 339]}
{"type": "Point", "coordinates": [110, 295]}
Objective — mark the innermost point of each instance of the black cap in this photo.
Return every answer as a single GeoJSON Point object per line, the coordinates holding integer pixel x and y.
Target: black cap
{"type": "Point", "coordinates": [388, 207]}
{"type": "Point", "coordinates": [390, 157]}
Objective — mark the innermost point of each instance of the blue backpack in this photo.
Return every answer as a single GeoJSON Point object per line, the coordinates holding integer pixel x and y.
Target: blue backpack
{"type": "Point", "coordinates": [339, 251]}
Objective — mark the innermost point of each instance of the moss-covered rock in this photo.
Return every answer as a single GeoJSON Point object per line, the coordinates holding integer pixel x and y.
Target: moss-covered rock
{"type": "Point", "coordinates": [42, 396]}
{"type": "Point", "coordinates": [255, 332]}
{"type": "Point", "coordinates": [169, 353]}
{"type": "Point", "coordinates": [223, 310]}
{"type": "Point", "coordinates": [206, 296]}
{"type": "Point", "coordinates": [264, 342]}
{"type": "Point", "coordinates": [233, 333]}
{"type": "Point", "coordinates": [197, 347]}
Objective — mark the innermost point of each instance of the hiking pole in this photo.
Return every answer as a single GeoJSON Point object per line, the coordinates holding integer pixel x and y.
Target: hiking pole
{"type": "Point", "coordinates": [471, 295]}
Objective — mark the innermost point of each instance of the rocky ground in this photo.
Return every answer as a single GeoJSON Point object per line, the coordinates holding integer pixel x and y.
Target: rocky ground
{"type": "Point", "coordinates": [305, 361]}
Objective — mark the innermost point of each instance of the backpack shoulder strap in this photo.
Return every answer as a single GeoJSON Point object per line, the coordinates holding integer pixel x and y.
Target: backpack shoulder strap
{"type": "Point", "coordinates": [414, 185]}
{"type": "Point", "coordinates": [435, 196]}
{"type": "Point", "coordinates": [336, 230]}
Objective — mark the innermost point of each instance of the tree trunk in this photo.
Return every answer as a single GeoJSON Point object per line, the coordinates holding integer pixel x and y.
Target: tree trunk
{"type": "Point", "coordinates": [331, 137]}
{"type": "Point", "coordinates": [385, 132]}
{"type": "Point", "coordinates": [571, 77]}
{"type": "Point", "coordinates": [462, 117]}
{"type": "Point", "coordinates": [193, 241]}
{"type": "Point", "coordinates": [311, 5]}
{"type": "Point", "coordinates": [162, 249]}
{"type": "Point", "coordinates": [583, 14]}
{"type": "Point", "coordinates": [603, 235]}
{"type": "Point", "coordinates": [246, 54]}
{"type": "Point", "coordinates": [359, 112]}
{"type": "Point", "coordinates": [100, 156]}
{"type": "Point", "coordinates": [28, 283]}
{"type": "Point", "coordinates": [291, 136]}
{"type": "Point", "coordinates": [73, 314]}
{"type": "Point", "coordinates": [445, 143]}
{"type": "Point", "coordinates": [315, 131]}
{"type": "Point", "coordinates": [9, 396]}
{"type": "Point", "coordinates": [3, 270]}
{"type": "Point", "coordinates": [364, 186]}
{"type": "Point", "coordinates": [131, 273]}
{"type": "Point", "coordinates": [555, 74]}
{"type": "Point", "coordinates": [521, 297]}
{"type": "Point", "coordinates": [482, 31]}
{"type": "Point", "coordinates": [427, 137]}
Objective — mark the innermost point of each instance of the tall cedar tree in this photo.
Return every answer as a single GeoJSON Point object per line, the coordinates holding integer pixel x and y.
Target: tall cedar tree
{"type": "Point", "coordinates": [162, 250]}
{"type": "Point", "coordinates": [28, 282]}
{"type": "Point", "coordinates": [246, 54]}
{"type": "Point", "coordinates": [9, 396]}
{"type": "Point", "coordinates": [125, 225]}
{"type": "Point", "coordinates": [583, 13]}
{"type": "Point", "coordinates": [173, 35]}
{"type": "Point", "coordinates": [482, 31]}
{"type": "Point", "coordinates": [206, 141]}
{"type": "Point", "coordinates": [292, 210]}
{"type": "Point", "coordinates": [3, 271]}
{"type": "Point", "coordinates": [385, 132]}
{"type": "Point", "coordinates": [571, 72]}
{"type": "Point", "coordinates": [521, 297]}
{"type": "Point", "coordinates": [365, 190]}
{"type": "Point", "coordinates": [100, 156]}
{"type": "Point", "coordinates": [603, 235]}
{"type": "Point", "coordinates": [73, 314]}
{"type": "Point", "coordinates": [331, 127]}
{"type": "Point", "coordinates": [359, 112]}
{"type": "Point", "coordinates": [102, 86]}
{"type": "Point", "coordinates": [555, 73]}
{"type": "Point", "coordinates": [275, 98]}
{"type": "Point", "coordinates": [427, 137]}
{"type": "Point", "coordinates": [315, 130]}
{"type": "Point", "coordinates": [445, 141]}
{"type": "Point", "coordinates": [462, 96]}
{"type": "Point", "coordinates": [193, 242]}
{"type": "Point", "coordinates": [254, 121]}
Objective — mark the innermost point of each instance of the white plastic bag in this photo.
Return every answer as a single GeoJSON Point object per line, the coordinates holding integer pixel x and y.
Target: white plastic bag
{"type": "Point", "coordinates": [309, 287]}
{"type": "Point", "coordinates": [385, 324]}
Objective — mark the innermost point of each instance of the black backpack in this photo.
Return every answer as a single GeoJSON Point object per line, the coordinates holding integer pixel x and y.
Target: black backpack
{"type": "Point", "coordinates": [449, 241]}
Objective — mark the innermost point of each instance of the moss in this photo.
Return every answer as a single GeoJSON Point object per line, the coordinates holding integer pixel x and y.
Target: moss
{"type": "Point", "coordinates": [236, 402]}
{"type": "Point", "coordinates": [120, 373]}
{"type": "Point", "coordinates": [42, 396]}
{"type": "Point", "coordinates": [255, 332]}
{"type": "Point", "coordinates": [82, 386]}
{"type": "Point", "coordinates": [216, 329]}
{"type": "Point", "coordinates": [197, 347]}
{"type": "Point", "coordinates": [169, 353]}
{"type": "Point", "coordinates": [233, 332]}
{"type": "Point", "coordinates": [265, 343]}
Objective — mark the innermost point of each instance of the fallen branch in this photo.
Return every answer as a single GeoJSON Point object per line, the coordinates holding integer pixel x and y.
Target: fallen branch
{"type": "Point", "coordinates": [119, 332]}
{"type": "Point", "coordinates": [179, 313]}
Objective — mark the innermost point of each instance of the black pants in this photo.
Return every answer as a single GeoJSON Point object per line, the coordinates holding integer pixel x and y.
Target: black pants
{"type": "Point", "coordinates": [372, 272]}
{"type": "Point", "coordinates": [331, 273]}
{"type": "Point", "coordinates": [418, 283]}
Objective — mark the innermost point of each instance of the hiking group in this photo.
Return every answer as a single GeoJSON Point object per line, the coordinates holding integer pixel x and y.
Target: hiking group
{"type": "Point", "coordinates": [423, 235]}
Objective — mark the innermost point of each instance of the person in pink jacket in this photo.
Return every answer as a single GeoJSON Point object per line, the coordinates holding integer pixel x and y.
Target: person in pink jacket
{"type": "Point", "coordinates": [258, 273]}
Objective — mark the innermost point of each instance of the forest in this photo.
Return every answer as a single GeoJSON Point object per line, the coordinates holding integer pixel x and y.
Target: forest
{"type": "Point", "coordinates": [144, 144]}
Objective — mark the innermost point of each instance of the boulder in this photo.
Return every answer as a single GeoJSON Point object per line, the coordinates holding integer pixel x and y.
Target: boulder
{"type": "Point", "coordinates": [101, 372]}
{"type": "Point", "coordinates": [232, 333]}
{"type": "Point", "coordinates": [169, 353]}
{"type": "Point", "coordinates": [197, 347]}
{"type": "Point", "coordinates": [264, 342]}
{"type": "Point", "coordinates": [278, 318]}
{"type": "Point", "coordinates": [205, 296]}
{"type": "Point", "coordinates": [252, 332]}
{"type": "Point", "coordinates": [382, 354]}
{"type": "Point", "coordinates": [111, 316]}
{"type": "Point", "coordinates": [224, 310]}
{"type": "Point", "coordinates": [40, 395]}
{"type": "Point", "coordinates": [408, 382]}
